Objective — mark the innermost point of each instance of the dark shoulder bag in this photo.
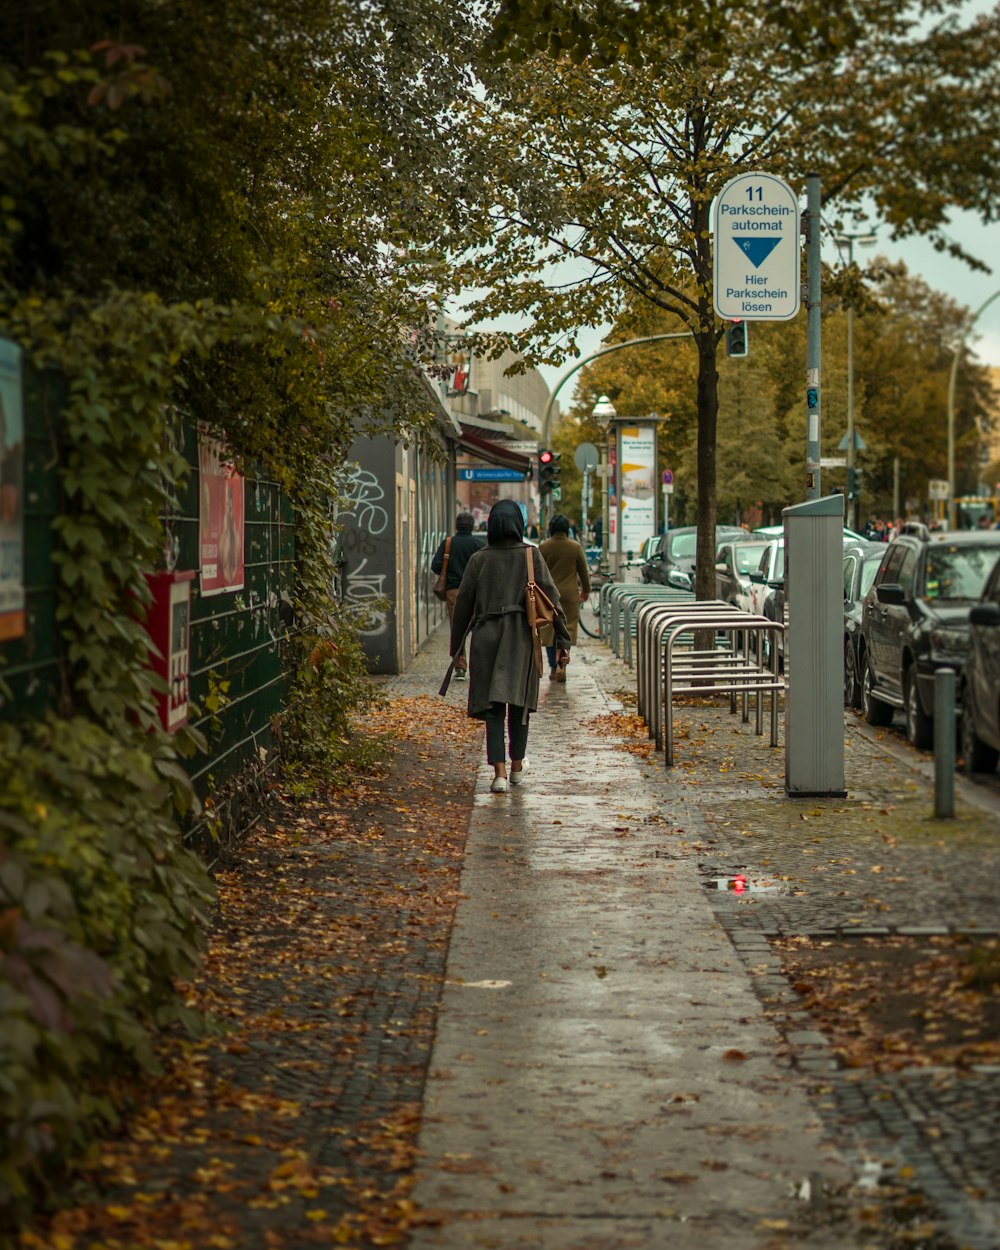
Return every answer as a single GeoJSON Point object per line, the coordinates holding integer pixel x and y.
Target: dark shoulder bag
{"type": "Point", "coordinates": [439, 590]}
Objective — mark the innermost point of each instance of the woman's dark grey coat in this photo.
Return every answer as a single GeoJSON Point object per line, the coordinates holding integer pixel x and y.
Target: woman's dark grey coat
{"type": "Point", "coordinates": [491, 601]}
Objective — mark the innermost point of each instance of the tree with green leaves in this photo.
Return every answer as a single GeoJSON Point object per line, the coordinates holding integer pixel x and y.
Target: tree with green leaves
{"type": "Point", "coordinates": [232, 213]}
{"type": "Point", "coordinates": [904, 334]}
{"type": "Point", "coordinates": [604, 173]}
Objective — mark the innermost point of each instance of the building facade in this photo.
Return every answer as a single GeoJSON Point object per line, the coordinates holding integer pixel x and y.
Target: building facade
{"type": "Point", "coordinates": [399, 502]}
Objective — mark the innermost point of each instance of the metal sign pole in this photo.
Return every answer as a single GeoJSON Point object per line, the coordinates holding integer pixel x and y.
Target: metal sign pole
{"type": "Point", "coordinates": [813, 326]}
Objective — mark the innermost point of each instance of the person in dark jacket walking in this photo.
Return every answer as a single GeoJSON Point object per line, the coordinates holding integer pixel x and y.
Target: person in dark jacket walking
{"type": "Point", "coordinates": [464, 545]}
{"type": "Point", "coordinates": [503, 679]}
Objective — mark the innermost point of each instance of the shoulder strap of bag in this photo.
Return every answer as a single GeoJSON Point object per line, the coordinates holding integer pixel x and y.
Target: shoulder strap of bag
{"type": "Point", "coordinates": [531, 565]}
{"type": "Point", "coordinates": [447, 553]}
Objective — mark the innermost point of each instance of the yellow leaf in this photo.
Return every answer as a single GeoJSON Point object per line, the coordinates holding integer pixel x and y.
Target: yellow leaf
{"type": "Point", "coordinates": [316, 1214]}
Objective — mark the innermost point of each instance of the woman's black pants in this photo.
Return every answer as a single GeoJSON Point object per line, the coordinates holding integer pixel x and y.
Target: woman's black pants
{"type": "Point", "coordinates": [517, 732]}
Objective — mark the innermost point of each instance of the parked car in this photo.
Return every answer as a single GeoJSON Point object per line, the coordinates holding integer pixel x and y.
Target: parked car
{"type": "Point", "coordinates": [648, 547]}
{"type": "Point", "coordinates": [778, 531]}
{"type": "Point", "coordinates": [672, 562]}
{"type": "Point", "coordinates": [733, 564]}
{"type": "Point", "coordinates": [980, 682]}
{"type": "Point", "coordinates": [915, 620]}
{"type": "Point", "coordinates": [770, 568]}
{"type": "Point", "coordinates": [861, 561]}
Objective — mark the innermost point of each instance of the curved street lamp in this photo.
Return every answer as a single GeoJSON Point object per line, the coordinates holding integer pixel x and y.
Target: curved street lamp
{"type": "Point", "coordinates": [585, 360]}
{"type": "Point", "coordinates": [866, 239]}
{"type": "Point", "coordinates": [604, 412]}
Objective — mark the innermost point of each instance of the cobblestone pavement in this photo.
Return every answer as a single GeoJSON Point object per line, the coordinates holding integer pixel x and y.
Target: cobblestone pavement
{"type": "Point", "coordinates": [293, 1122]}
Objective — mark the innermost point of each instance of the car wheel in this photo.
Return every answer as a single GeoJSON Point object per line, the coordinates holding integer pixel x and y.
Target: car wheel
{"type": "Point", "coordinates": [852, 682]}
{"type": "Point", "coordinates": [977, 756]}
{"type": "Point", "coordinates": [875, 711]}
{"type": "Point", "coordinates": [919, 726]}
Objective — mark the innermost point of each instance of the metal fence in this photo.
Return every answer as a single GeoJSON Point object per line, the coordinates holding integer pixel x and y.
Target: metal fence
{"type": "Point", "coordinates": [239, 674]}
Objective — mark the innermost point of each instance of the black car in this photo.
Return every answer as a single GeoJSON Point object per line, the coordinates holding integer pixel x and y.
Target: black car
{"type": "Point", "coordinates": [861, 561]}
{"type": "Point", "coordinates": [980, 686]}
{"type": "Point", "coordinates": [672, 562]}
{"type": "Point", "coordinates": [915, 620]}
{"type": "Point", "coordinates": [767, 588]}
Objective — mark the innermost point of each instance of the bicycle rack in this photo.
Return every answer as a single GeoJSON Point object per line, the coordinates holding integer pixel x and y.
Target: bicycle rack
{"type": "Point", "coordinates": [619, 603]}
{"type": "Point", "coordinates": [735, 664]}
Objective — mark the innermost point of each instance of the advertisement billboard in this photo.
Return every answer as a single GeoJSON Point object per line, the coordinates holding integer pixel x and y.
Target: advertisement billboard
{"type": "Point", "coordinates": [638, 486]}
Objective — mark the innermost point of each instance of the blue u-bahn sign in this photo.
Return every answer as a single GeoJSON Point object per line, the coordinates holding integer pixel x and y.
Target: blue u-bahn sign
{"type": "Point", "coordinates": [490, 475]}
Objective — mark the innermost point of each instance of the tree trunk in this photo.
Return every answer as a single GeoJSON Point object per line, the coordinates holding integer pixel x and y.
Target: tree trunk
{"type": "Point", "coordinates": [708, 416]}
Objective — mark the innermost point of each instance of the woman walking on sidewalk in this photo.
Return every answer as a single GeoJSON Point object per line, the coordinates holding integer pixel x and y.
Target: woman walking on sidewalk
{"type": "Point", "coordinates": [568, 565]}
{"type": "Point", "coordinates": [503, 679]}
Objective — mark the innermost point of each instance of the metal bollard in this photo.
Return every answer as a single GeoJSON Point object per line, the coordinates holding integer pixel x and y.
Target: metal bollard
{"type": "Point", "coordinates": [944, 742]}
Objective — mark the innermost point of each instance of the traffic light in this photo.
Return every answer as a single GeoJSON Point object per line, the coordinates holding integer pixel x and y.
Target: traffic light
{"type": "Point", "coordinates": [548, 472]}
{"type": "Point", "coordinates": [737, 338]}
{"type": "Point", "coordinates": [853, 483]}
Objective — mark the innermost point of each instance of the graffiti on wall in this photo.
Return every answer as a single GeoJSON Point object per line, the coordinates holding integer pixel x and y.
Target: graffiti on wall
{"type": "Point", "coordinates": [366, 591]}
{"type": "Point", "coordinates": [361, 496]}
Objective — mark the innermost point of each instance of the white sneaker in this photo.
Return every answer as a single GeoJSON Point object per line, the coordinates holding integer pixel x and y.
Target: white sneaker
{"type": "Point", "coordinates": [517, 777]}
{"type": "Point", "coordinates": [498, 785]}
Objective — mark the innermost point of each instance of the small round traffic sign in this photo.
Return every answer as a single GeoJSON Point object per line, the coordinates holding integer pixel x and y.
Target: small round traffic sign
{"type": "Point", "coordinates": [668, 477]}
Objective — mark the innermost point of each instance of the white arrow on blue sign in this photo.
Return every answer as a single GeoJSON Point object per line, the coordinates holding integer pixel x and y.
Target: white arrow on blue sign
{"type": "Point", "coordinates": [757, 246]}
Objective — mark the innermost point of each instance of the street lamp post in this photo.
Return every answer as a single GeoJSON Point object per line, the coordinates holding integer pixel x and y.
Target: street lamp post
{"type": "Point", "coordinates": [604, 413]}
{"type": "Point", "coordinates": [952, 375]}
{"type": "Point", "coordinates": [586, 498]}
{"type": "Point", "coordinates": [866, 240]}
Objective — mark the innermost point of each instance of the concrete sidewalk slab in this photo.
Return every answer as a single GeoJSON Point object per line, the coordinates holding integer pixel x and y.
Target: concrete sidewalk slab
{"type": "Point", "coordinates": [603, 1073]}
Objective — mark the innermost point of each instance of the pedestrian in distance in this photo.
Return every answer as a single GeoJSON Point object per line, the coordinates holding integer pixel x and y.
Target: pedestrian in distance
{"type": "Point", "coordinates": [463, 546]}
{"type": "Point", "coordinates": [567, 562]}
{"type": "Point", "coordinates": [503, 678]}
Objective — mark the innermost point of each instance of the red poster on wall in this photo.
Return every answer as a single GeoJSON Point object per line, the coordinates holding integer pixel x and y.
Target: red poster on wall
{"type": "Point", "coordinates": [220, 518]}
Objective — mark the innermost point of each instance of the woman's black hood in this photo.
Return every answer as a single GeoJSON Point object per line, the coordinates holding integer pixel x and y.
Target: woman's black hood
{"type": "Point", "coordinates": [505, 523]}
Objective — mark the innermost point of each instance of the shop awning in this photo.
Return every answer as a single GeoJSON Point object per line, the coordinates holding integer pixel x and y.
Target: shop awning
{"type": "Point", "coordinates": [492, 452]}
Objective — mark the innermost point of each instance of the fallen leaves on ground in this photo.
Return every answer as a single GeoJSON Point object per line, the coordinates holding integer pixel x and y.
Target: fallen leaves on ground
{"type": "Point", "coordinates": [631, 729]}
{"type": "Point", "coordinates": [895, 1002]}
{"type": "Point", "coordinates": [294, 1121]}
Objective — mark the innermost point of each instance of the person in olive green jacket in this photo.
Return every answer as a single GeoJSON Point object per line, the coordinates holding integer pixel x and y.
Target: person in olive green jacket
{"type": "Point", "coordinates": [568, 566]}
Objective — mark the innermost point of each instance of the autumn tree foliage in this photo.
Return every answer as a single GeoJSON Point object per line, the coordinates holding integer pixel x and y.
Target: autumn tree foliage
{"type": "Point", "coordinates": [605, 168]}
{"type": "Point", "coordinates": [904, 335]}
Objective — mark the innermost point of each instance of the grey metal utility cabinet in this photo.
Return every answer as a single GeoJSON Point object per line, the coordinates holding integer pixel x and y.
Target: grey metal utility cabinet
{"type": "Point", "coordinates": [814, 651]}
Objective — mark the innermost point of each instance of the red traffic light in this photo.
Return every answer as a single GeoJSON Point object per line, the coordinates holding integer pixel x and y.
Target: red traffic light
{"type": "Point", "coordinates": [545, 457]}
